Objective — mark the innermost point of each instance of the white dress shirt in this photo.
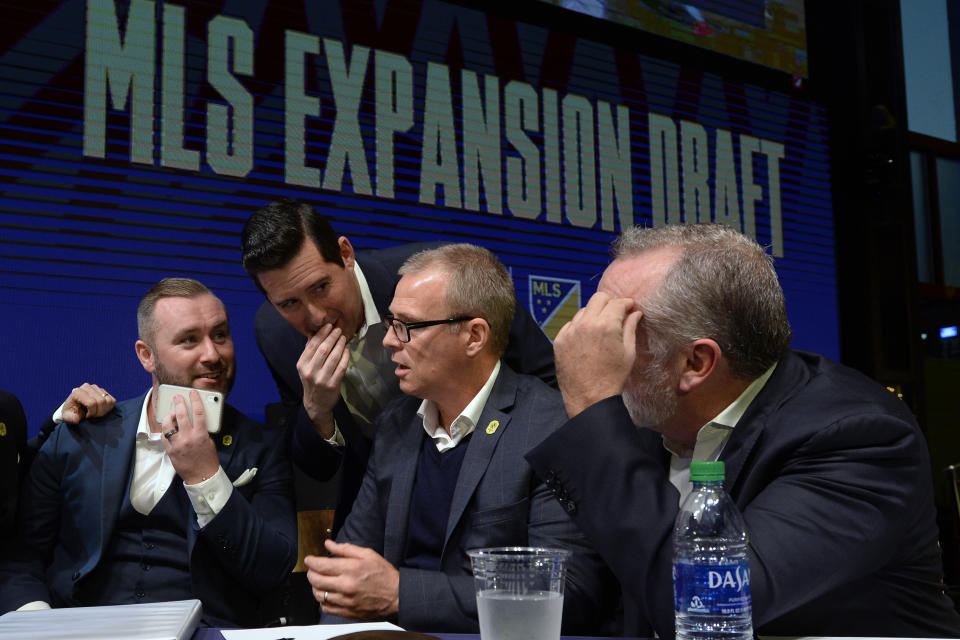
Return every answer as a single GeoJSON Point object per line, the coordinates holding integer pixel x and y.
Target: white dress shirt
{"type": "Point", "coordinates": [713, 436]}
{"type": "Point", "coordinates": [464, 424]}
{"type": "Point", "coordinates": [361, 346]}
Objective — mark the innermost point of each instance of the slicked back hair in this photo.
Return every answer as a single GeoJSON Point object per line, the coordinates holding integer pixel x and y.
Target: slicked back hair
{"type": "Point", "coordinates": [274, 234]}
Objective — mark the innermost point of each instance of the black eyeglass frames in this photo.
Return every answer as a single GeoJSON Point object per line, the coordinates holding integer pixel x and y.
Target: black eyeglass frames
{"type": "Point", "coordinates": [402, 329]}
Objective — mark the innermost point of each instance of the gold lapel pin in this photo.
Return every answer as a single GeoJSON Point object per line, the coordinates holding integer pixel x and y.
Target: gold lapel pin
{"type": "Point", "coordinates": [227, 440]}
{"type": "Point", "coordinates": [3, 428]}
{"type": "Point", "coordinates": [492, 427]}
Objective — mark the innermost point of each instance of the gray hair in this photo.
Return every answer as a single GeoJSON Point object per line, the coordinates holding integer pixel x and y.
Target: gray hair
{"type": "Point", "coordinates": [722, 286]}
{"type": "Point", "coordinates": [478, 285]}
{"type": "Point", "coordinates": [166, 288]}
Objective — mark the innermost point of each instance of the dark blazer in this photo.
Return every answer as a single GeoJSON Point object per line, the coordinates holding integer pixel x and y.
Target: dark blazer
{"type": "Point", "coordinates": [76, 489]}
{"type": "Point", "coordinates": [529, 352]}
{"type": "Point", "coordinates": [498, 501]}
{"type": "Point", "coordinates": [13, 444]}
{"type": "Point", "coordinates": [832, 475]}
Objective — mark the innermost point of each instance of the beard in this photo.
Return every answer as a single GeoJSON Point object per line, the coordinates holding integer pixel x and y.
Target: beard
{"type": "Point", "coordinates": [224, 382]}
{"type": "Point", "coordinates": [649, 396]}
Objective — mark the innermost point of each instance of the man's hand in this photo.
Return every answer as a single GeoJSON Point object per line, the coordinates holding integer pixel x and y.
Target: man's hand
{"type": "Point", "coordinates": [321, 367]}
{"type": "Point", "coordinates": [595, 351]}
{"type": "Point", "coordinates": [86, 401]}
{"type": "Point", "coordinates": [358, 583]}
{"type": "Point", "coordinates": [185, 437]}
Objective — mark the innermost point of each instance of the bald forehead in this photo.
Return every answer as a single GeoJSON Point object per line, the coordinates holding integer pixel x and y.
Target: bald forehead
{"type": "Point", "coordinates": [638, 275]}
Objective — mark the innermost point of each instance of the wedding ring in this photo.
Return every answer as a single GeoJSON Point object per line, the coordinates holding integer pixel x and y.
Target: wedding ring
{"type": "Point", "coordinates": [106, 395]}
{"type": "Point", "coordinates": [170, 433]}
{"type": "Point", "coordinates": [325, 597]}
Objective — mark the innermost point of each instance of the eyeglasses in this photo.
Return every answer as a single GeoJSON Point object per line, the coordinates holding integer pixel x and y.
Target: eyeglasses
{"type": "Point", "coordinates": [402, 329]}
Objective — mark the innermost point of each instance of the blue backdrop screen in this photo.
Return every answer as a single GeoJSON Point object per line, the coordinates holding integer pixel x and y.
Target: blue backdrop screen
{"type": "Point", "coordinates": [136, 137]}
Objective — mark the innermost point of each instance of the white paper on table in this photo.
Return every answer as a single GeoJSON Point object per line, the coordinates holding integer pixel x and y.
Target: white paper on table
{"type": "Point", "coordinates": [312, 632]}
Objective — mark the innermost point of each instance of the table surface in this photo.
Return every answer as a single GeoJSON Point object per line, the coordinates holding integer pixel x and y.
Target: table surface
{"type": "Point", "coordinates": [214, 634]}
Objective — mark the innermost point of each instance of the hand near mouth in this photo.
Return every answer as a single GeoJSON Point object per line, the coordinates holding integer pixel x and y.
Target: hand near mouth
{"type": "Point", "coordinates": [322, 366]}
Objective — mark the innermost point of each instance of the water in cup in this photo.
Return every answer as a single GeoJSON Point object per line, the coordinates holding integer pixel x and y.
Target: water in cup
{"type": "Point", "coordinates": [532, 616]}
{"type": "Point", "coordinates": [519, 592]}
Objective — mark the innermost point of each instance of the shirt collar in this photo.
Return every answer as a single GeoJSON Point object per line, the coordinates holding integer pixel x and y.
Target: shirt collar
{"type": "Point", "coordinates": [371, 314]}
{"type": "Point", "coordinates": [464, 424]}
{"type": "Point", "coordinates": [712, 436]}
{"type": "Point", "coordinates": [143, 427]}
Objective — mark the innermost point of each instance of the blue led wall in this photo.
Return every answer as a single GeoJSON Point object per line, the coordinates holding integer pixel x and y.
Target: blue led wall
{"type": "Point", "coordinates": [136, 137]}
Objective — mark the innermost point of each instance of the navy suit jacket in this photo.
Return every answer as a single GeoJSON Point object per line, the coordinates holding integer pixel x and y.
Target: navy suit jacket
{"type": "Point", "coordinates": [75, 491]}
{"type": "Point", "coordinates": [498, 501]}
{"type": "Point", "coordinates": [13, 445]}
{"type": "Point", "coordinates": [529, 352]}
{"type": "Point", "coordinates": [832, 475]}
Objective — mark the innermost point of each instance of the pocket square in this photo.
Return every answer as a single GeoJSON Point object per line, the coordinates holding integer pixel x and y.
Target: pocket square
{"type": "Point", "coordinates": [245, 477]}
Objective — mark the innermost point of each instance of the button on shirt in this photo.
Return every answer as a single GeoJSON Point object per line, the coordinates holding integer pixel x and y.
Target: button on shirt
{"type": "Point", "coordinates": [713, 436]}
{"type": "Point", "coordinates": [464, 424]}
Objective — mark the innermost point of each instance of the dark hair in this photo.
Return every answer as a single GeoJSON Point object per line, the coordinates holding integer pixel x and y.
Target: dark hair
{"type": "Point", "coordinates": [274, 234]}
{"type": "Point", "coordinates": [722, 286]}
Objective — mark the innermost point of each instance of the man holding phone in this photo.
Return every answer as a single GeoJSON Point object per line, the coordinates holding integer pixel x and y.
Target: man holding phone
{"type": "Point", "coordinates": [104, 520]}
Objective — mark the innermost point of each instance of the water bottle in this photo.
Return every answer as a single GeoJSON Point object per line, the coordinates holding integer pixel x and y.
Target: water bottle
{"type": "Point", "coordinates": [711, 577]}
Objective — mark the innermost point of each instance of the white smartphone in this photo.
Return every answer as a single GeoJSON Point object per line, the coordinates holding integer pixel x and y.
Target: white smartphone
{"type": "Point", "coordinates": [212, 404]}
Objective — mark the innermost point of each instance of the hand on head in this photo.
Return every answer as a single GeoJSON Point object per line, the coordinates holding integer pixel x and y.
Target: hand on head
{"type": "Point", "coordinates": [86, 401]}
{"type": "Point", "coordinates": [595, 351]}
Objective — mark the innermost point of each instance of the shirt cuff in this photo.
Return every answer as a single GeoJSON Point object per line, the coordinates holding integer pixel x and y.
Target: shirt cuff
{"type": "Point", "coordinates": [36, 605]}
{"type": "Point", "coordinates": [210, 496]}
{"type": "Point", "coordinates": [336, 439]}
{"type": "Point", "coordinates": [58, 414]}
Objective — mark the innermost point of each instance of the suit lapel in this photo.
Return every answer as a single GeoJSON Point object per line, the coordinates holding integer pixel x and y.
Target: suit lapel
{"type": "Point", "coordinates": [786, 378]}
{"type": "Point", "coordinates": [115, 477]}
{"type": "Point", "coordinates": [405, 458]}
{"type": "Point", "coordinates": [226, 440]}
{"type": "Point", "coordinates": [493, 422]}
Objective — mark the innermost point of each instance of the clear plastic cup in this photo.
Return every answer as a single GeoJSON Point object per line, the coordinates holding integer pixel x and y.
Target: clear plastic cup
{"type": "Point", "coordinates": [519, 592]}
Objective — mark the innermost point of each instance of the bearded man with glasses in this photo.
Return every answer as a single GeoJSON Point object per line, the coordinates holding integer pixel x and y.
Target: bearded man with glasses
{"type": "Point", "coordinates": [447, 471]}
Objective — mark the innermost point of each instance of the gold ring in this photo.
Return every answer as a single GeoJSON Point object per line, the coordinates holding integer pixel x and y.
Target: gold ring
{"type": "Point", "coordinates": [106, 395]}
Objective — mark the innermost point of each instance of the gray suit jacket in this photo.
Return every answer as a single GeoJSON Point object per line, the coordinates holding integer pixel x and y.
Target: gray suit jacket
{"type": "Point", "coordinates": [498, 501]}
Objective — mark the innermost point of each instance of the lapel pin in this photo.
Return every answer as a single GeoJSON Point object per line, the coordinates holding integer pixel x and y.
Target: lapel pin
{"type": "Point", "coordinates": [227, 440]}
{"type": "Point", "coordinates": [492, 427]}
{"type": "Point", "coordinates": [3, 428]}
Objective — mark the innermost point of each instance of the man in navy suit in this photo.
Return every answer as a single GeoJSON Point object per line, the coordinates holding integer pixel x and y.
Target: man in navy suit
{"type": "Point", "coordinates": [136, 506]}
{"type": "Point", "coordinates": [321, 335]}
{"type": "Point", "coordinates": [447, 472]}
{"type": "Point", "coordinates": [682, 354]}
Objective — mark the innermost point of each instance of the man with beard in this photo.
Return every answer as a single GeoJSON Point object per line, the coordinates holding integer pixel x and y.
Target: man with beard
{"type": "Point", "coordinates": [682, 354]}
{"type": "Point", "coordinates": [104, 519]}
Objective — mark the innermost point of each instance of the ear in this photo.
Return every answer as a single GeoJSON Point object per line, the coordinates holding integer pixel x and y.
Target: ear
{"type": "Point", "coordinates": [346, 252]}
{"type": "Point", "coordinates": [477, 333]}
{"type": "Point", "coordinates": [701, 358]}
{"type": "Point", "coordinates": [145, 355]}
